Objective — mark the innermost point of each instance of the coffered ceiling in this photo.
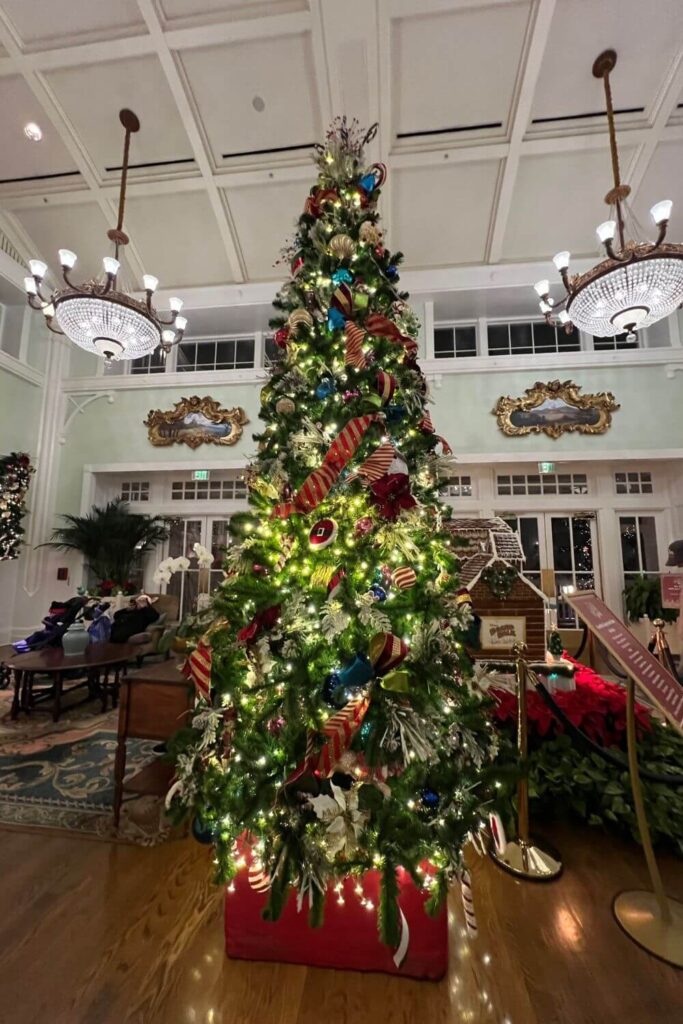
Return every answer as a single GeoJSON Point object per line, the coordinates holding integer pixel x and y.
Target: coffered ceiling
{"type": "Point", "coordinates": [490, 123]}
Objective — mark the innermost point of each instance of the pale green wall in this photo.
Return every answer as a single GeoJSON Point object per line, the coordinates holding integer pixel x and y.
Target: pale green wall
{"type": "Point", "coordinates": [20, 403]}
{"type": "Point", "coordinates": [650, 417]}
{"type": "Point", "coordinates": [107, 433]}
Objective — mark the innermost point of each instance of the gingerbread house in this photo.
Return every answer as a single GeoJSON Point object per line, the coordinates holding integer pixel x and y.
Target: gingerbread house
{"type": "Point", "coordinates": [510, 607]}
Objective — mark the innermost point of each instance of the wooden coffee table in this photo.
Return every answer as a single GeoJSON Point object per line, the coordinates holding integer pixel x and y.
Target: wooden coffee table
{"type": "Point", "coordinates": [100, 666]}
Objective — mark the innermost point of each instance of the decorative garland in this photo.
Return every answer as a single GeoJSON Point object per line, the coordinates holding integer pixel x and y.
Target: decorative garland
{"type": "Point", "coordinates": [15, 476]}
{"type": "Point", "coordinates": [500, 581]}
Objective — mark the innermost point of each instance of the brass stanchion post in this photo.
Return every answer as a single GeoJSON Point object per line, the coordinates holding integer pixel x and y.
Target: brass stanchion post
{"type": "Point", "coordinates": [652, 919]}
{"type": "Point", "coordinates": [523, 857]}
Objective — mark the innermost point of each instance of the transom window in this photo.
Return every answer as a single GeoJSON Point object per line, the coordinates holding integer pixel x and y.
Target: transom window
{"type": "Point", "coordinates": [135, 490]}
{"type": "Point", "coordinates": [633, 483]}
{"type": "Point", "coordinates": [454, 342]}
{"type": "Point", "coordinates": [208, 490]}
{"type": "Point", "coordinates": [155, 362]}
{"type": "Point", "coordinates": [218, 354]}
{"type": "Point", "coordinates": [457, 487]}
{"type": "Point", "coordinates": [617, 343]}
{"type": "Point", "coordinates": [518, 339]}
{"type": "Point", "coordinates": [546, 483]}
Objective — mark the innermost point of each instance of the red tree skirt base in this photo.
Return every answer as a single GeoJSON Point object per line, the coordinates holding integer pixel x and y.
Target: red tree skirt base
{"type": "Point", "coordinates": [348, 938]}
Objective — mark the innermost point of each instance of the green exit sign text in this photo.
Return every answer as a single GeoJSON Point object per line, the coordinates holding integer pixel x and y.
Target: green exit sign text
{"type": "Point", "coordinates": [546, 467]}
{"type": "Point", "coordinates": [200, 474]}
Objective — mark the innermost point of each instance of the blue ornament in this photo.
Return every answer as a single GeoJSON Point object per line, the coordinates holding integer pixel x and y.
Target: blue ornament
{"type": "Point", "coordinates": [342, 276]}
{"type": "Point", "coordinates": [394, 413]}
{"type": "Point", "coordinates": [430, 798]}
{"type": "Point", "coordinates": [368, 182]}
{"type": "Point", "coordinates": [391, 272]}
{"type": "Point", "coordinates": [325, 388]}
{"type": "Point", "coordinates": [201, 831]}
{"type": "Point", "coordinates": [335, 319]}
{"type": "Point", "coordinates": [379, 592]}
{"type": "Point", "coordinates": [339, 687]}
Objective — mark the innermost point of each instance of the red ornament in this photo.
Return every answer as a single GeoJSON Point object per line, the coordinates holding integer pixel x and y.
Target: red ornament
{"type": "Point", "coordinates": [324, 532]}
{"type": "Point", "coordinates": [364, 526]}
{"type": "Point", "coordinates": [380, 251]}
{"type": "Point", "coordinates": [281, 337]}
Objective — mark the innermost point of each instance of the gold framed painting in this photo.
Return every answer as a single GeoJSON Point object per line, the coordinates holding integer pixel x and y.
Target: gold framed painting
{"type": "Point", "coordinates": [194, 421]}
{"type": "Point", "coordinates": [555, 408]}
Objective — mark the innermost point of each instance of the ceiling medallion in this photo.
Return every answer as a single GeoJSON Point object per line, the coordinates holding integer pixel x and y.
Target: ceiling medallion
{"type": "Point", "coordinates": [99, 315]}
{"type": "Point", "coordinates": [640, 282]}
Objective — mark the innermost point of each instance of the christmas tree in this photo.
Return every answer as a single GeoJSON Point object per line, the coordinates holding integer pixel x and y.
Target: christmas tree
{"type": "Point", "coordinates": [337, 729]}
{"type": "Point", "coordinates": [15, 476]}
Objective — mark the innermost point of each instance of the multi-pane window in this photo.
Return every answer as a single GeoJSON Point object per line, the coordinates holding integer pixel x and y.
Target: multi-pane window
{"type": "Point", "coordinates": [457, 487]}
{"type": "Point", "coordinates": [455, 342]}
{"type": "Point", "coordinates": [217, 354]}
{"type": "Point", "coordinates": [633, 483]}
{"type": "Point", "coordinates": [273, 353]}
{"type": "Point", "coordinates": [638, 545]}
{"type": "Point", "coordinates": [519, 339]}
{"type": "Point", "coordinates": [155, 362]}
{"type": "Point", "coordinates": [208, 490]}
{"type": "Point", "coordinates": [617, 343]}
{"type": "Point", "coordinates": [527, 528]}
{"type": "Point", "coordinates": [135, 490]}
{"type": "Point", "coordinates": [542, 483]}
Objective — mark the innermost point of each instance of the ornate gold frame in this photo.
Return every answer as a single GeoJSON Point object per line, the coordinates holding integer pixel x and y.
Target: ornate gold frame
{"type": "Point", "coordinates": [160, 425]}
{"type": "Point", "coordinates": [603, 402]}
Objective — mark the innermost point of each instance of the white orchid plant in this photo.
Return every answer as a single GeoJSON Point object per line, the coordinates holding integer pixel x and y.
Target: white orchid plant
{"type": "Point", "coordinates": [169, 566]}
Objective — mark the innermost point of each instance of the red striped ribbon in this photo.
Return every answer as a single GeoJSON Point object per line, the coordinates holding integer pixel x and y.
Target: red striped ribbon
{"type": "Point", "coordinates": [197, 667]}
{"type": "Point", "coordinates": [318, 484]}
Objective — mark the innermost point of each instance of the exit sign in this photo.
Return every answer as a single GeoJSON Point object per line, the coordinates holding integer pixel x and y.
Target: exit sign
{"type": "Point", "coordinates": [546, 467]}
{"type": "Point", "coordinates": [200, 474]}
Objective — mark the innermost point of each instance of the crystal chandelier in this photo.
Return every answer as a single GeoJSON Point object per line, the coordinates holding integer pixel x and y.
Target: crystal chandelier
{"type": "Point", "coordinates": [640, 282]}
{"type": "Point", "coordinates": [99, 315]}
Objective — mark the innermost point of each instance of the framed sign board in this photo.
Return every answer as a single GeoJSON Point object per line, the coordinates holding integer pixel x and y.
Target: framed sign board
{"type": "Point", "coordinates": [501, 633]}
{"type": "Point", "coordinates": [665, 691]}
{"type": "Point", "coordinates": [671, 590]}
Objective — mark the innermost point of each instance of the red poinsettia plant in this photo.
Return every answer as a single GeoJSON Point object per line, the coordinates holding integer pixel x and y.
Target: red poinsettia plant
{"type": "Point", "coordinates": [596, 707]}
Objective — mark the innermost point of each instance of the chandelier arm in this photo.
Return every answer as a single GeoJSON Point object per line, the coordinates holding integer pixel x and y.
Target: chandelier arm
{"type": "Point", "coordinates": [35, 303]}
{"type": "Point", "coordinates": [67, 280]}
{"type": "Point", "coordinates": [662, 233]}
{"type": "Point", "coordinates": [165, 323]}
{"type": "Point", "coordinates": [48, 322]}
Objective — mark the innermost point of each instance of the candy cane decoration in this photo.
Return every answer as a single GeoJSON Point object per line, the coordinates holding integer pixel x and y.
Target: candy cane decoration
{"type": "Point", "coordinates": [197, 667]}
{"type": "Point", "coordinates": [259, 880]}
{"type": "Point", "coordinates": [468, 903]}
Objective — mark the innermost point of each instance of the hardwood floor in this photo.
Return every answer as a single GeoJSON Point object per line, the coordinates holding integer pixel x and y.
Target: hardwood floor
{"type": "Point", "coordinates": [92, 933]}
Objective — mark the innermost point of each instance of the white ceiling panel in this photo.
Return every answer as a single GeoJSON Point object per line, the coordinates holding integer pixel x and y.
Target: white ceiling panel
{"type": "Point", "coordinates": [646, 36]}
{"type": "Point", "coordinates": [184, 11]}
{"type": "Point", "coordinates": [80, 227]}
{"type": "Point", "coordinates": [40, 24]}
{"type": "Point", "coordinates": [92, 97]}
{"type": "Point", "coordinates": [441, 215]}
{"type": "Point", "coordinates": [177, 238]}
{"type": "Point", "coordinates": [558, 203]}
{"type": "Point", "coordinates": [19, 157]}
{"type": "Point", "coordinates": [660, 183]}
{"type": "Point", "coordinates": [457, 69]}
{"type": "Point", "coordinates": [229, 81]}
{"type": "Point", "coordinates": [265, 217]}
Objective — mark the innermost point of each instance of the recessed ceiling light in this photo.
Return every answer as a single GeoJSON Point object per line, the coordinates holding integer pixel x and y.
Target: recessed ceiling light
{"type": "Point", "coordinates": [259, 104]}
{"type": "Point", "coordinates": [33, 131]}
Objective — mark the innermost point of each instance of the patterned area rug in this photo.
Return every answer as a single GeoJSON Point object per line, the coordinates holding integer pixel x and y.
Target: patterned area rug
{"type": "Point", "coordinates": [60, 775]}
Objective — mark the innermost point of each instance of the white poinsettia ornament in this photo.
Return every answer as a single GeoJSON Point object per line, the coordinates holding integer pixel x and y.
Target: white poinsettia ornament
{"type": "Point", "coordinates": [341, 815]}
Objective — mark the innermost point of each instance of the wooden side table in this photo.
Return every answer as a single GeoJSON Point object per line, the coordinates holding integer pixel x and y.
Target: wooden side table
{"type": "Point", "coordinates": [155, 702]}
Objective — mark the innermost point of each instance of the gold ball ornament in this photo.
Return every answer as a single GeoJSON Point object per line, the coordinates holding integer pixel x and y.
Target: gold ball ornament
{"type": "Point", "coordinates": [369, 233]}
{"type": "Point", "coordinates": [299, 318]}
{"type": "Point", "coordinates": [285, 406]}
{"type": "Point", "coordinates": [342, 246]}
{"type": "Point", "coordinates": [404, 577]}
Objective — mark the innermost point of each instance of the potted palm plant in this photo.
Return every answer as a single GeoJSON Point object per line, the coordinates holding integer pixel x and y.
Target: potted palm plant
{"type": "Point", "coordinates": [111, 539]}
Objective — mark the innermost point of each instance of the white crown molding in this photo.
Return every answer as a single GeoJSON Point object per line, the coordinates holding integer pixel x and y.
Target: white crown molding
{"type": "Point", "coordinates": [158, 381]}
{"type": "Point", "coordinates": [564, 457]}
{"type": "Point", "coordinates": [22, 370]}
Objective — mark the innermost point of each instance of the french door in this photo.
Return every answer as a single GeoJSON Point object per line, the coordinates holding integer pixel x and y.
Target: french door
{"type": "Point", "coordinates": [565, 544]}
{"type": "Point", "coordinates": [212, 533]}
